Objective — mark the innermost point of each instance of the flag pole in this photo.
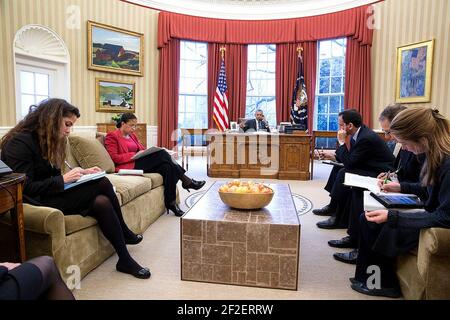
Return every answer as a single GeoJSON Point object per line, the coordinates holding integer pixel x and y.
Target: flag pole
{"type": "Point", "coordinates": [222, 52]}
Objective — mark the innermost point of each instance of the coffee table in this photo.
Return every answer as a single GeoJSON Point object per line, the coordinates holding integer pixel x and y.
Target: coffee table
{"type": "Point", "coordinates": [257, 248]}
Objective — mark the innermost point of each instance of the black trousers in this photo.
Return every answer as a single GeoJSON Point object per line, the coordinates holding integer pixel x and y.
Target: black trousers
{"type": "Point", "coordinates": [341, 195]}
{"type": "Point", "coordinates": [367, 256]}
{"type": "Point", "coordinates": [161, 162]}
{"type": "Point", "coordinates": [356, 210]}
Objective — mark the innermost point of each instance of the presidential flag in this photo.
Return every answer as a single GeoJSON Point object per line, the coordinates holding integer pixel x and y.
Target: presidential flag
{"type": "Point", "coordinates": [299, 106]}
{"type": "Point", "coordinates": [220, 108]}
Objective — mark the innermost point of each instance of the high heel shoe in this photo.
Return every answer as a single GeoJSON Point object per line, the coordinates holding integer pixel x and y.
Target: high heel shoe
{"type": "Point", "coordinates": [175, 209]}
{"type": "Point", "coordinates": [135, 240]}
{"type": "Point", "coordinates": [141, 273]}
{"type": "Point", "coordinates": [194, 184]}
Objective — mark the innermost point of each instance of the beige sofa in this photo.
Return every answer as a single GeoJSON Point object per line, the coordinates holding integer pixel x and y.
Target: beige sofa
{"type": "Point", "coordinates": [77, 240]}
{"type": "Point", "coordinates": [424, 274]}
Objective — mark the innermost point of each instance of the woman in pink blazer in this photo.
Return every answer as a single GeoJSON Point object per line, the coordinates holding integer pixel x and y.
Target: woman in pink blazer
{"type": "Point", "coordinates": [122, 144]}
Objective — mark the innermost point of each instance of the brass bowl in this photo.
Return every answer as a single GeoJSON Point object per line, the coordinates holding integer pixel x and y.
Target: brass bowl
{"type": "Point", "coordinates": [246, 200]}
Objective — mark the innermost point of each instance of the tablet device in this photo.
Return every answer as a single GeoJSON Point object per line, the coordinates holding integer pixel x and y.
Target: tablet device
{"type": "Point", "coordinates": [400, 201]}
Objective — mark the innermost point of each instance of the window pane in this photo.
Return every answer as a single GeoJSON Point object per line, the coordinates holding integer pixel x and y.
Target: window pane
{"type": "Point", "coordinates": [322, 104]}
{"type": "Point", "coordinates": [337, 67]}
{"type": "Point", "coordinates": [322, 122]}
{"type": "Point", "coordinates": [324, 68]}
{"type": "Point", "coordinates": [26, 101]}
{"type": "Point", "coordinates": [336, 84]}
{"type": "Point", "coordinates": [42, 84]}
{"type": "Point", "coordinates": [335, 104]}
{"type": "Point", "coordinates": [40, 98]}
{"type": "Point", "coordinates": [324, 85]}
{"type": "Point", "coordinates": [26, 82]}
{"type": "Point", "coordinates": [325, 49]}
{"type": "Point", "coordinates": [333, 121]}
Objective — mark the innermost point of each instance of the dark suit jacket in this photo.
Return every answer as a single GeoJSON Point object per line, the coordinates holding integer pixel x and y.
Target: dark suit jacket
{"type": "Point", "coordinates": [251, 124]}
{"type": "Point", "coordinates": [22, 154]}
{"type": "Point", "coordinates": [370, 153]}
{"type": "Point", "coordinates": [408, 166]}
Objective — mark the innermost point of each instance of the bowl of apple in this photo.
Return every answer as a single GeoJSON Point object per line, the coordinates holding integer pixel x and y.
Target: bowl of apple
{"type": "Point", "coordinates": [245, 194]}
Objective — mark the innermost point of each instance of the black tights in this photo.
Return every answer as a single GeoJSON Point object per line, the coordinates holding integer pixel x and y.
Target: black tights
{"type": "Point", "coordinates": [53, 287]}
{"type": "Point", "coordinates": [106, 210]}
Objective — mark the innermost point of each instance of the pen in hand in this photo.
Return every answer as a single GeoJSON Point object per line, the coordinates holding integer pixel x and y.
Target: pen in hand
{"type": "Point", "coordinates": [68, 165]}
{"type": "Point", "coordinates": [386, 179]}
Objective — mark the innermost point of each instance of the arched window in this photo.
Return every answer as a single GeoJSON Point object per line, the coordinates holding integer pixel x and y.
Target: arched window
{"type": "Point", "coordinates": [42, 66]}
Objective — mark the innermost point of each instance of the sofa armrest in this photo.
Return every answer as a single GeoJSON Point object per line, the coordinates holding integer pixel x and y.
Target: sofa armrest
{"type": "Point", "coordinates": [435, 241]}
{"type": "Point", "coordinates": [45, 220]}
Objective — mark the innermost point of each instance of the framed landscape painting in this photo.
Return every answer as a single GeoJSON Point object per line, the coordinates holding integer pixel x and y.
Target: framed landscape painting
{"type": "Point", "coordinates": [114, 96]}
{"type": "Point", "coordinates": [414, 67]}
{"type": "Point", "coordinates": [116, 50]}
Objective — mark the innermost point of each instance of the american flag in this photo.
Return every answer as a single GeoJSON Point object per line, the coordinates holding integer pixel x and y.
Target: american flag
{"type": "Point", "coordinates": [220, 109]}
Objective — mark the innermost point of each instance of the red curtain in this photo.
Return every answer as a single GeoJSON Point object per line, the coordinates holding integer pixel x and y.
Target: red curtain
{"type": "Point", "coordinates": [351, 22]}
{"type": "Point", "coordinates": [236, 72]}
{"type": "Point", "coordinates": [358, 77]}
{"type": "Point", "coordinates": [169, 77]}
{"type": "Point", "coordinates": [286, 72]}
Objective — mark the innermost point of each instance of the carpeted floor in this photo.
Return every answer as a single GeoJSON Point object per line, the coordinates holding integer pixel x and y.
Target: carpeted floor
{"type": "Point", "coordinates": [320, 276]}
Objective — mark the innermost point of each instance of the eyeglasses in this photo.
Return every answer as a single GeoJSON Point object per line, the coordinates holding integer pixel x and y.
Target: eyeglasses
{"type": "Point", "coordinates": [387, 133]}
{"type": "Point", "coordinates": [132, 126]}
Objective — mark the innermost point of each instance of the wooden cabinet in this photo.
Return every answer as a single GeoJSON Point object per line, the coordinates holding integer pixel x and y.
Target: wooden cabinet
{"type": "Point", "coordinates": [141, 130]}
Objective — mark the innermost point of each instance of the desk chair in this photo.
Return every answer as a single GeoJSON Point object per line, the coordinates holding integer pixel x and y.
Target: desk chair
{"type": "Point", "coordinates": [186, 134]}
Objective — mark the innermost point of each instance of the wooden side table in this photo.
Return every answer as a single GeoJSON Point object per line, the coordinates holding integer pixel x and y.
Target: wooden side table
{"type": "Point", "coordinates": [11, 187]}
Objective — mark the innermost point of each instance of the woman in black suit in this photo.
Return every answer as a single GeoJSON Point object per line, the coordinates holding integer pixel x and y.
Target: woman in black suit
{"type": "Point", "coordinates": [36, 146]}
{"type": "Point", "coordinates": [386, 234]}
{"type": "Point", "coordinates": [37, 278]}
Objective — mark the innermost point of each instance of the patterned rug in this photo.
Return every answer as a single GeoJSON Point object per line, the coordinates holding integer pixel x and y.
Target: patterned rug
{"type": "Point", "coordinates": [302, 204]}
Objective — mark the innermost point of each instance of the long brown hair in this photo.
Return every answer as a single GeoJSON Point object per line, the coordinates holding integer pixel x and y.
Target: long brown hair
{"type": "Point", "coordinates": [45, 121]}
{"type": "Point", "coordinates": [425, 126]}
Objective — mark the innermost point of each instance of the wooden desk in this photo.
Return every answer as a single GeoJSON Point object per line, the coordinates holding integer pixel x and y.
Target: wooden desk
{"type": "Point", "coordinates": [11, 199]}
{"type": "Point", "coordinates": [259, 155]}
{"type": "Point", "coordinates": [140, 132]}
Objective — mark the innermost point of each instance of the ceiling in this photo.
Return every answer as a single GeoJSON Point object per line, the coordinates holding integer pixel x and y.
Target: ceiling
{"type": "Point", "coordinates": [252, 9]}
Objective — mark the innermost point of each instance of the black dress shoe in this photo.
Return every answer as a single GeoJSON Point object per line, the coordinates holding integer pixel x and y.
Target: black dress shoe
{"type": "Point", "coordinates": [383, 292]}
{"type": "Point", "coordinates": [193, 185]}
{"type": "Point", "coordinates": [175, 209]}
{"type": "Point", "coordinates": [347, 257]}
{"type": "Point", "coordinates": [142, 273]}
{"type": "Point", "coordinates": [330, 223]}
{"type": "Point", "coordinates": [345, 242]}
{"type": "Point", "coordinates": [134, 240]}
{"type": "Point", "coordinates": [353, 280]}
{"type": "Point", "coordinates": [325, 211]}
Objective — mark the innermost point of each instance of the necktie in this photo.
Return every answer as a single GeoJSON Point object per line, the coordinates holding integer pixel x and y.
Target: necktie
{"type": "Point", "coordinates": [352, 143]}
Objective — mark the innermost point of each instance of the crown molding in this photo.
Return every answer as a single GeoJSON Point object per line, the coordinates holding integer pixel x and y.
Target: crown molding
{"type": "Point", "coordinates": [251, 9]}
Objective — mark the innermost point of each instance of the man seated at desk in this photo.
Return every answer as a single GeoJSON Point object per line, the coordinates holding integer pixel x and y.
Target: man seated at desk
{"type": "Point", "coordinates": [257, 124]}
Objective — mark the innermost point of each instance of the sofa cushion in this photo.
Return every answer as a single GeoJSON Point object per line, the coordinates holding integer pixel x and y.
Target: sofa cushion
{"type": "Point", "coordinates": [130, 187]}
{"type": "Point", "coordinates": [90, 153]}
{"type": "Point", "coordinates": [156, 178]}
{"type": "Point", "coordinates": [77, 222]}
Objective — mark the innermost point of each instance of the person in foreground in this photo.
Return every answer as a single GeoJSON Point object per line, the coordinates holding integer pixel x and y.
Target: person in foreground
{"type": "Point", "coordinates": [407, 167]}
{"type": "Point", "coordinates": [37, 278]}
{"type": "Point", "coordinates": [36, 146]}
{"type": "Point", "coordinates": [122, 145]}
{"type": "Point", "coordinates": [386, 234]}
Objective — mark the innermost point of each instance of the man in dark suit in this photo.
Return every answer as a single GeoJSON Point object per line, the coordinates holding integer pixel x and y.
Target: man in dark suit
{"type": "Point", "coordinates": [361, 151]}
{"type": "Point", "coordinates": [259, 123]}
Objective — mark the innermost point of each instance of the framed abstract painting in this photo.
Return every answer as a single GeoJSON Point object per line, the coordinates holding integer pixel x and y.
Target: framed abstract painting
{"type": "Point", "coordinates": [116, 50]}
{"type": "Point", "coordinates": [114, 96]}
{"type": "Point", "coordinates": [414, 67]}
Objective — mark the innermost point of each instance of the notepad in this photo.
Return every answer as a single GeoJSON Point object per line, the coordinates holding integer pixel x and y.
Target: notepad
{"type": "Point", "coordinates": [365, 182]}
{"type": "Point", "coordinates": [150, 151]}
{"type": "Point", "coordinates": [85, 178]}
